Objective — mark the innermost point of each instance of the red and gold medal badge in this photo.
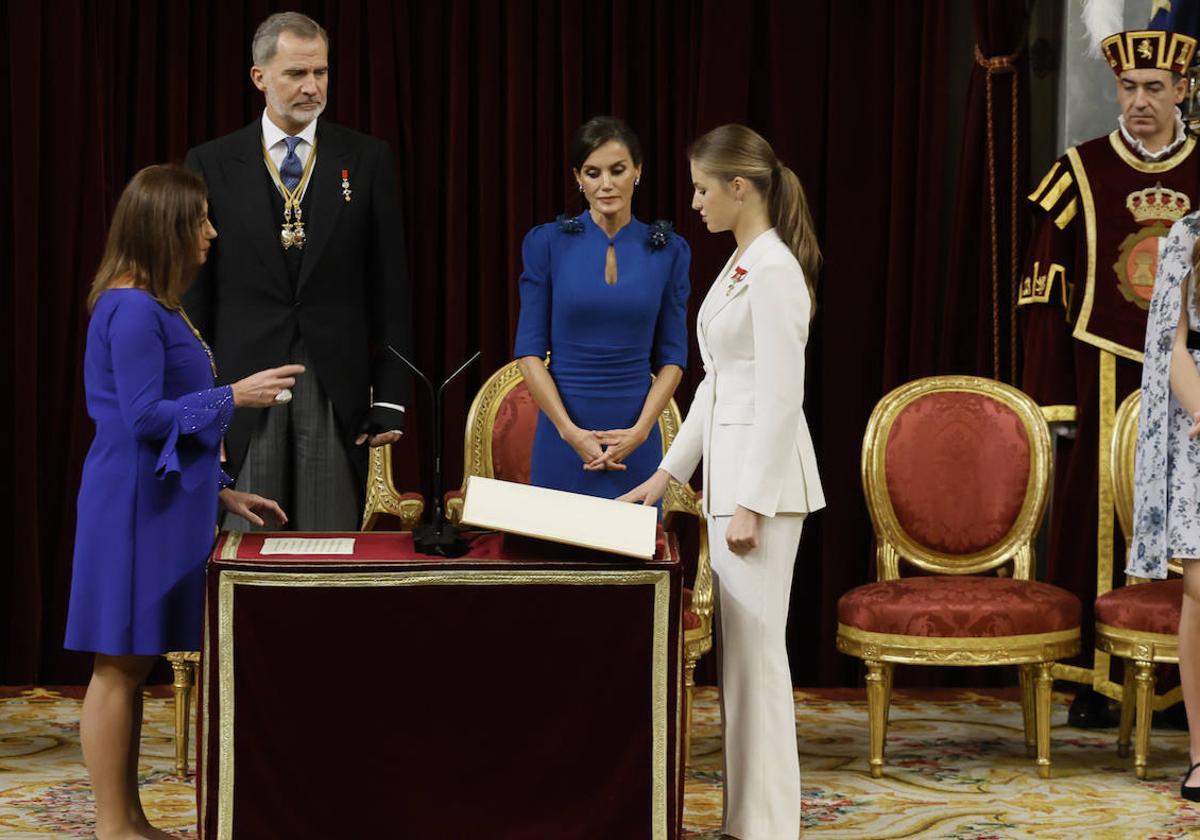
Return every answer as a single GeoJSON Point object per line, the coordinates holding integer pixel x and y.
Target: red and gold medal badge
{"type": "Point", "coordinates": [1155, 209]}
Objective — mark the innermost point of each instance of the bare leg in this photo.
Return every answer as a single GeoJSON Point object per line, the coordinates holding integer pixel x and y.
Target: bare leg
{"type": "Point", "coordinates": [109, 736]}
{"type": "Point", "coordinates": [1189, 659]}
{"type": "Point", "coordinates": [135, 751]}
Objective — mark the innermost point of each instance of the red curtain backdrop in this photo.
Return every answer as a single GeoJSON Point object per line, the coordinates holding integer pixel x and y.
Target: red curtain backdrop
{"type": "Point", "coordinates": [479, 100]}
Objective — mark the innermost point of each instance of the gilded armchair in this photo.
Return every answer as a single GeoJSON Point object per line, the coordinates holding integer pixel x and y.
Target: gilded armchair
{"type": "Point", "coordinates": [382, 499]}
{"type": "Point", "coordinates": [956, 473]}
{"type": "Point", "coordinates": [498, 443]}
{"type": "Point", "coordinates": [1138, 622]}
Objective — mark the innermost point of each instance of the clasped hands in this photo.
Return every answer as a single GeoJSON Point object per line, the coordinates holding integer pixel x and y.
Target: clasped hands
{"type": "Point", "coordinates": [605, 450]}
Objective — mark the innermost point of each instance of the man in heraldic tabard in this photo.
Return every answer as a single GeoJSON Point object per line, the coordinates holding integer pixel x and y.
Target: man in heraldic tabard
{"type": "Point", "coordinates": [1103, 212]}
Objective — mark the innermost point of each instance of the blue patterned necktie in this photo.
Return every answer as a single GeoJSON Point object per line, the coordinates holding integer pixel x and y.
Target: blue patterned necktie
{"type": "Point", "coordinates": [291, 170]}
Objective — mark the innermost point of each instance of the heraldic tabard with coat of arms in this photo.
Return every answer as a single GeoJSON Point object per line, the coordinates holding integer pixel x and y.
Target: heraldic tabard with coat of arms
{"type": "Point", "coordinates": [1106, 216]}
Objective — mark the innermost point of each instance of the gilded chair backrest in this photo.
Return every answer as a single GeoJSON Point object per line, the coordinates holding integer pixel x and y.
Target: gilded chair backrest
{"type": "Point", "coordinates": [956, 473]}
{"type": "Point", "coordinates": [1122, 458]}
{"type": "Point", "coordinates": [500, 428]}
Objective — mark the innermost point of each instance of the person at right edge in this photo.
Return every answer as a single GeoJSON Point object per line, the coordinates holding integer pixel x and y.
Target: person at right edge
{"type": "Point", "coordinates": [760, 471]}
{"type": "Point", "coordinates": [1103, 211]}
{"type": "Point", "coordinates": [1166, 510]}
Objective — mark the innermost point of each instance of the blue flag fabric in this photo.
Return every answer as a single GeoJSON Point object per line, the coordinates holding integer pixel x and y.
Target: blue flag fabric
{"type": "Point", "coordinates": [1182, 16]}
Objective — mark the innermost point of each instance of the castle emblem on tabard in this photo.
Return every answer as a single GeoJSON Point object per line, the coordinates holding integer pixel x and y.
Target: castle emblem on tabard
{"type": "Point", "coordinates": [1155, 209]}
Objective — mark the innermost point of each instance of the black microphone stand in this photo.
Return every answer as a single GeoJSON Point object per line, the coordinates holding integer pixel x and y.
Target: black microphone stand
{"type": "Point", "coordinates": [437, 536]}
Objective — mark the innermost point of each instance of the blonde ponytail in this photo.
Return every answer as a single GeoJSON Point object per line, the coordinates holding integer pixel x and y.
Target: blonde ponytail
{"type": "Point", "coordinates": [788, 207]}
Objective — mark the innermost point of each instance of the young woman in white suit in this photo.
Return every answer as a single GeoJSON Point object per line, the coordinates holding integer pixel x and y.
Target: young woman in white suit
{"type": "Point", "coordinates": [760, 472]}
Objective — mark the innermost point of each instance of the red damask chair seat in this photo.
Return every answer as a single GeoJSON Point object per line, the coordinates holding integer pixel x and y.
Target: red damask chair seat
{"type": "Point", "coordinates": [956, 472]}
{"type": "Point", "coordinates": [964, 607]}
{"type": "Point", "coordinates": [1151, 607]}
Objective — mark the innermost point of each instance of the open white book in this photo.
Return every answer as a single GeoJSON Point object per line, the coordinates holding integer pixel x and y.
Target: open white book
{"type": "Point", "coordinates": [558, 516]}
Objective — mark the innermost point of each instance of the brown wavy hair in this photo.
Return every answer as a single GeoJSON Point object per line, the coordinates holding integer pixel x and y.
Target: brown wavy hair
{"type": "Point", "coordinates": [154, 238]}
{"type": "Point", "coordinates": [731, 151]}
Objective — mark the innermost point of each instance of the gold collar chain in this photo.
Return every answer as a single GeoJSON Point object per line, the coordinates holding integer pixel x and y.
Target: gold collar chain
{"type": "Point", "coordinates": [292, 233]}
{"type": "Point", "coordinates": [212, 362]}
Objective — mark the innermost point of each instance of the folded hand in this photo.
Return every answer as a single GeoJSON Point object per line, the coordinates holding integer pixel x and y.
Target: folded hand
{"type": "Point", "coordinates": [617, 443]}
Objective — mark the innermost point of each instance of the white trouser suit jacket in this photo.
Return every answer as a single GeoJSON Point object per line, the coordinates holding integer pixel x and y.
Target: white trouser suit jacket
{"type": "Point", "coordinates": [747, 417]}
{"type": "Point", "coordinates": [747, 423]}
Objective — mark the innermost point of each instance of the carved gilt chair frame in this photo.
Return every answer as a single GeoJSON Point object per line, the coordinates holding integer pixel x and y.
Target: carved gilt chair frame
{"type": "Point", "coordinates": [1034, 654]}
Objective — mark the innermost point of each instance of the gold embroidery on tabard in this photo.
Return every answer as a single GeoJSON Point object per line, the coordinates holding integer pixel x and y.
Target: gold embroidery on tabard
{"type": "Point", "coordinates": [1038, 286]}
{"type": "Point", "coordinates": [1080, 331]}
{"type": "Point", "coordinates": [1033, 196]}
{"type": "Point", "coordinates": [1065, 217]}
{"type": "Point", "coordinates": [1149, 166]}
{"type": "Point", "coordinates": [1155, 209]}
{"type": "Point", "coordinates": [1051, 198]}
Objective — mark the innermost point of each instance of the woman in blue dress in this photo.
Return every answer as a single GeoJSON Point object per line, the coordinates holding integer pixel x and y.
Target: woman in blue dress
{"type": "Point", "coordinates": [148, 497]}
{"type": "Point", "coordinates": [606, 296]}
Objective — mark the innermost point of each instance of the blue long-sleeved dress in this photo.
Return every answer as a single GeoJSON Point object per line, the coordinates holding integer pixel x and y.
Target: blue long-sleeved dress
{"type": "Point", "coordinates": [148, 497]}
{"type": "Point", "coordinates": [604, 340]}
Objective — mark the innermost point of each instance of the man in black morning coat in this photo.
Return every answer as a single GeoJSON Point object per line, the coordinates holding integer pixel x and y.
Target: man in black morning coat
{"type": "Point", "coordinates": [309, 266]}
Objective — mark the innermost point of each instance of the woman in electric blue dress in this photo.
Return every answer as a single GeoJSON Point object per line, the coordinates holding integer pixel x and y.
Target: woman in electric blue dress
{"type": "Point", "coordinates": [606, 296]}
{"type": "Point", "coordinates": [148, 497]}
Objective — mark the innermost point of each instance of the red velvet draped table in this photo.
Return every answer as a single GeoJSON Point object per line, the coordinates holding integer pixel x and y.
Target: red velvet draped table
{"type": "Point", "coordinates": [524, 690]}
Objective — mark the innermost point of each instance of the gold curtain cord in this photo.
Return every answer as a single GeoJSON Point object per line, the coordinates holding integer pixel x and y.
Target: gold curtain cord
{"type": "Point", "coordinates": [996, 66]}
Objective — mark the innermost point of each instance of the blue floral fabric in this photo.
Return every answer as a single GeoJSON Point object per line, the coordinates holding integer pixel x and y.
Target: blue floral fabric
{"type": "Point", "coordinates": [1166, 510]}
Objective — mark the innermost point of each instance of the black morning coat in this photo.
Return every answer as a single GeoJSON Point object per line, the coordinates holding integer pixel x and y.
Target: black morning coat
{"type": "Point", "coordinates": [346, 293]}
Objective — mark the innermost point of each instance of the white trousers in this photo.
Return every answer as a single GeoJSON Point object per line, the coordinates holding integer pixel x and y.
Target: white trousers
{"type": "Point", "coordinates": [758, 716]}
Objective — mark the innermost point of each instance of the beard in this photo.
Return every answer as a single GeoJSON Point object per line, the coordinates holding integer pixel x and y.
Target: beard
{"type": "Point", "coordinates": [300, 116]}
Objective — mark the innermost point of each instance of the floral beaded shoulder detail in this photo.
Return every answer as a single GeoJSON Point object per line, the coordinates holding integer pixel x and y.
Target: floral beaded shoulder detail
{"type": "Point", "coordinates": [569, 224]}
{"type": "Point", "coordinates": [660, 234]}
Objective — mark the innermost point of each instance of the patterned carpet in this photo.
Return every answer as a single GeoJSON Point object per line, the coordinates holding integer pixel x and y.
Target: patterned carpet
{"type": "Point", "coordinates": [956, 770]}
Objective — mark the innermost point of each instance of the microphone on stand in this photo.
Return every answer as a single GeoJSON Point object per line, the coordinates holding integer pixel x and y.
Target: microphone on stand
{"type": "Point", "coordinates": [437, 536]}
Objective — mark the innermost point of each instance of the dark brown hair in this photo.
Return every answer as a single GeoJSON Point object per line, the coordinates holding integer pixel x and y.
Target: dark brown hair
{"type": "Point", "coordinates": [730, 151]}
{"type": "Point", "coordinates": [599, 130]}
{"type": "Point", "coordinates": [154, 238]}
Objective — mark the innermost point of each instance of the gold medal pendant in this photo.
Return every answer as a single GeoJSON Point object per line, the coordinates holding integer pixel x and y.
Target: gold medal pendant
{"type": "Point", "coordinates": [287, 236]}
{"type": "Point", "coordinates": [298, 236]}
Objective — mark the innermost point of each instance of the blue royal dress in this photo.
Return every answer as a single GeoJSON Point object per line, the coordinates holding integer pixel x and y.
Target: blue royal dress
{"type": "Point", "coordinates": [604, 340]}
{"type": "Point", "coordinates": [148, 498]}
